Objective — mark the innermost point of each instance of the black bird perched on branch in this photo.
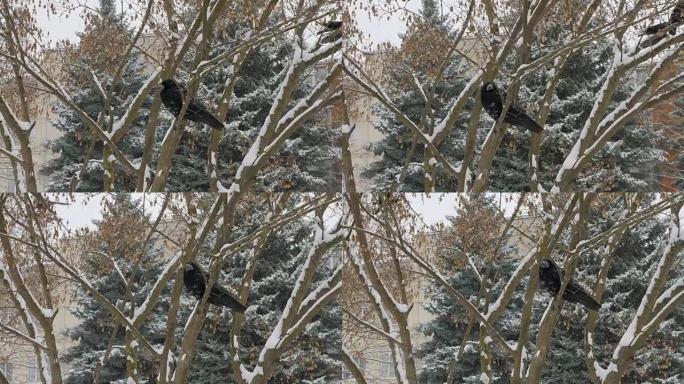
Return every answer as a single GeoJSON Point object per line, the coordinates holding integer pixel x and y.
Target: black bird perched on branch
{"type": "Point", "coordinates": [331, 26]}
{"type": "Point", "coordinates": [172, 96]}
{"type": "Point", "coordinates": [492, 102]}
{"type": "Point", "coordinates": [194, 279]}
{"type": "Point", "coordinates": [551, 278]}
{"type": "Point", "coordinates": [676, 17]}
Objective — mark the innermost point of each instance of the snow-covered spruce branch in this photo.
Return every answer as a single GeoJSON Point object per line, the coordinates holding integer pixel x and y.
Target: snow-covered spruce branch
{"type": "Point", "coordinates": [197, 316]}
{"type": "Point", "coordinates": [409, 251]}
{"type": "Point", "coordinates": [577, 42]}
{"type": "Point", "coordinates": [668, 202]}
{"type": "Point", "coordinates": [122, 125]}
{"type": "Point", "coordinates": [323, 295]}
{"type": "Point", "coordinates": [276, 223]}
{"type": "Point", "coordinates": [238, 58]}
{"type": "Point", "coordinates": [205, 18]}
{"type": "Point", "coordinates": [301, 306]}
{"type": "Point", "coordinates": [593, 317]}
{"type": "Point", "coordinates": [543, 251]}
{"type": "Point", "coordinates": [166, 371]}
{"type": "Point", "coordinates": [259, 38]}
{"type": "Point", "coordinates": [544, 105]}
{"type": "Point", "coordinates": [301, 61]}
{"type": "Point", "coordinates": [196, 319]}
{"type": "Point", "coordinates": [444, 127]}
{"type": "Point", "coordinates": [281, 122]}
{"type": "Point", "coordinates": [598, 129]}
{"type": "Point", "coordinates": [522, 32]}
{"type": "Point", "coordinates": [655, 306]}
{"type": "Point", "coordinates": [561, 223]}
{"type": "Point", "coordinates": [602, 279]}
{"type": "Point", "coordinates": [247, 278]}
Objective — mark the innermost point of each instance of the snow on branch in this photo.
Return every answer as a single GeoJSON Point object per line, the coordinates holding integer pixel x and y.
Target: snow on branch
{"type": "Point", "coordinates": [121, 125]}
{"type": "Point", "coordinates": [382, 96]}
{"type": "Point", "coordinates": [279, 124]}
{"type": "Point", "coordinates": [146, 308]}
{"type": "Point", "coordinates": [654, 307]}
{"type": "Point", "coordinates": [560, 224]}
{"type": "Point", "coordinates": [21, 335]}
{"type": "Point", "coordinates": [300, 307]}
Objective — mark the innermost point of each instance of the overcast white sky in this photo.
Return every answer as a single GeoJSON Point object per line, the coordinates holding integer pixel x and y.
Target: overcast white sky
{"type": "Point", "coordinates": [60, 26]}
{"type": "Point", "coordinates": [85, 208]}
{"type": "Point", "coordinates": [381, 29]}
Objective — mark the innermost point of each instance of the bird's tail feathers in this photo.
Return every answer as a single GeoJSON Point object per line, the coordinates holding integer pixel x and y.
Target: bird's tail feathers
{"type": "Point", "coordinates": [577, 295]}
{"type": "Point", "coordinates": [534, 127]}
{"type": "Point", "coordinates": [238, 307]}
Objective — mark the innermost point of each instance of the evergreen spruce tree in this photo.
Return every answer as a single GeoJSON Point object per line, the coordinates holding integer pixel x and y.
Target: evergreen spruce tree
{"type": "Point", "coordinates": [634, 263]}
{"type": "Point", "coordinates": [119, 239]}
{"type": "Point", "coordinates": [423, 40]}
{"type": "Point", "coordinates": [306, 162]}
{"type": "Point", "coordinates": [106, 32]}
{"type": "Point", "coordinates": [316, 357]}
{"type": "Point", "coordinates": [447, 329]}
{"type": "Point", "coordinates": [626, 163]}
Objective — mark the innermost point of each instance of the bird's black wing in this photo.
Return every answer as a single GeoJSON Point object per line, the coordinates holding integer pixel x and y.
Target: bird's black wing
{"type": "Point", "coordinates": [655, 28]}
{"type": "Point", "coordinates": [200, 114]}
{"type": "Point", "coordinates": [677, 13]}
{"type": "Point", "coordinates": [220, 296]}
{"type": "Point", "coordinates": [330, 26]}
{"type": "Point", "coordinates": [518, 117]}
{"type": "Point", "coordinates": [576, 294]}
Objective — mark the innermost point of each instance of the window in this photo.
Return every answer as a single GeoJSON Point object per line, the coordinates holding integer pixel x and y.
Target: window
{"type": "Point", "coordinates": [6, 369]}
{"type": "Point", "coordinates": [387, 365]}
{"type": "Point", "coordinates": [32, 373]}
{"type": "Point", "coordinates": [360, 362]}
